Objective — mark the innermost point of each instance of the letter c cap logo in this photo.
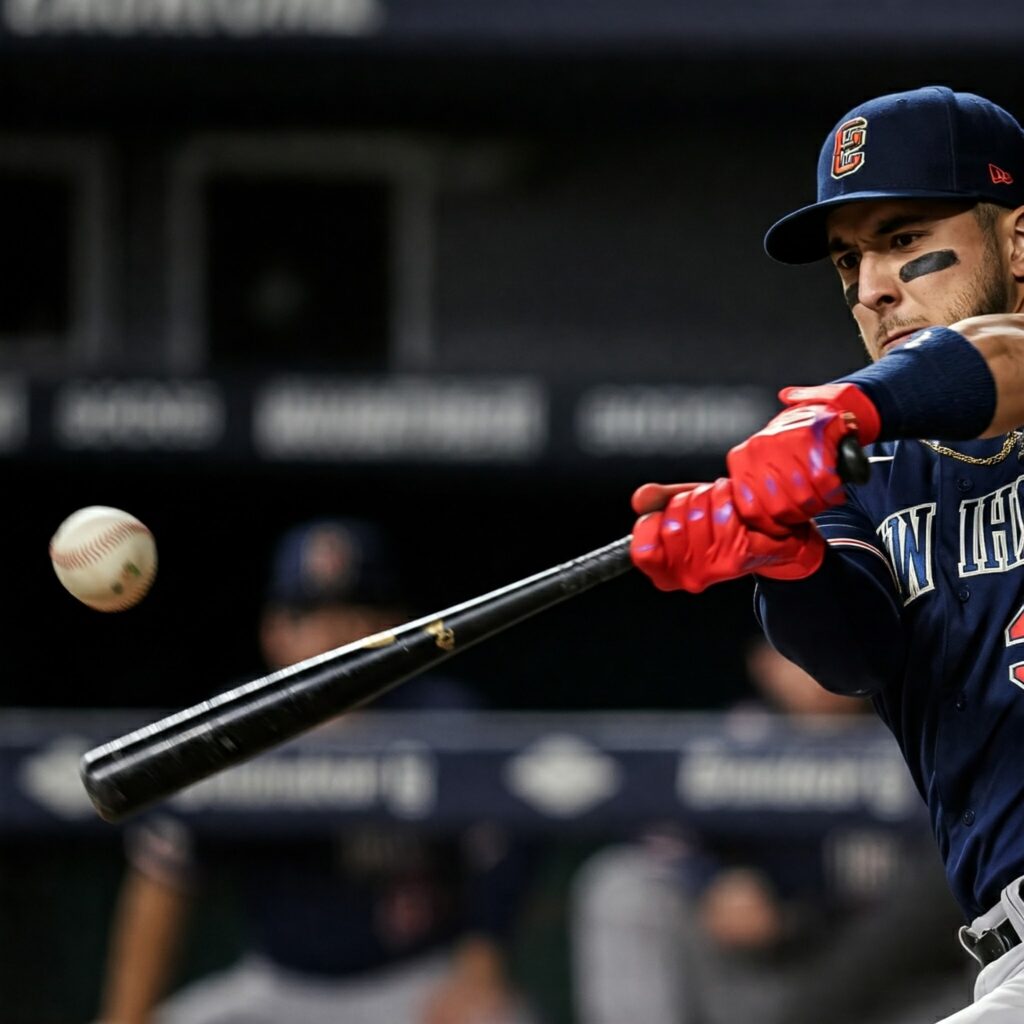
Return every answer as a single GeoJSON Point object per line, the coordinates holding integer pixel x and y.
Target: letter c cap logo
{"type": "Point", "coordinates": [848, 154]}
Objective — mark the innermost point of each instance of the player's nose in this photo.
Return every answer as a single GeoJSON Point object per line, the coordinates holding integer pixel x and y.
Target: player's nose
{"type": "Point", "coordinates": [878, 283]}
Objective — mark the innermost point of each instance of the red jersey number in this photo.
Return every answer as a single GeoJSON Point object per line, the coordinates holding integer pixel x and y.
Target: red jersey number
{"type": "Point", "coordinates": [1015, 635]}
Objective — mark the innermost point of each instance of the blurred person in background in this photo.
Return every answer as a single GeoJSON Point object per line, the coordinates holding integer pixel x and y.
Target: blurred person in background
{"type": "Point", "coordinates": [376, 924]}
{"type": "Point", "coordinates": [839, 927]}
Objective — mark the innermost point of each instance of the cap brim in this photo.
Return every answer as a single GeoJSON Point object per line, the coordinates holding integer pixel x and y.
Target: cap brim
{"type": "Point", "coordinates": [801, 236]}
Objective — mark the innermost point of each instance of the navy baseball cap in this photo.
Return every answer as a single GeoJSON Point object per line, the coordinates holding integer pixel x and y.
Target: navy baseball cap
{"type": "Point", "coordinates": [332, 561]}
{"type": "Point", "coordinates": [929, 143]}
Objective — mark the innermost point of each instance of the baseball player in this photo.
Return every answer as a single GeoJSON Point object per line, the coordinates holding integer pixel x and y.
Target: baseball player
{"type": "Point", "coordinates": [367, 923]}
{"type": "Point", "coordinates": [909, 588]}
{"type": "Point", "coordinates": [701, 926]}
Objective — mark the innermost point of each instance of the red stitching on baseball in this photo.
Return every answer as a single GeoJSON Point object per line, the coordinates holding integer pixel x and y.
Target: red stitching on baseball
{"type": "Point", "coordinates": [89, 553]}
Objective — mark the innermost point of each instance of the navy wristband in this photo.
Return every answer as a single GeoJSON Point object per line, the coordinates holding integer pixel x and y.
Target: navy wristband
{"type": "Point", "coordinates": [937, 385]}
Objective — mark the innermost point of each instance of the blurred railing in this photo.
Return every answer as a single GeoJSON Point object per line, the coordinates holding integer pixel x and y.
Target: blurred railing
{"type": "Point", "coordinates": [560, 773]}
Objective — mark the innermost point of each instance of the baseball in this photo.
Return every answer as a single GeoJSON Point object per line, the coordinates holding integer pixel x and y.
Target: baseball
{"type": "Point", "coordinates": [105, 557]}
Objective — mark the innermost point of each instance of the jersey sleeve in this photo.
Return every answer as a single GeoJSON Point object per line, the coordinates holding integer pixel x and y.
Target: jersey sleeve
{"type": "Point", "coordinates": [848, 530]}
{"type": "Point", "coordinates": [843, 624]}
{"type": "Point", "coordinates": [499, 870]}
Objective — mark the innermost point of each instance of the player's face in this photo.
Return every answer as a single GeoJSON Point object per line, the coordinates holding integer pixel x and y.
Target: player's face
{"type": "Point", "coordinates": [290, 636]}
{"type": "Point", "coordinates": [908, 264]}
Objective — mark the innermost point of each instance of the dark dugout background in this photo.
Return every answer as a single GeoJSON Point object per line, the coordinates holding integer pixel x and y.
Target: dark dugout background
{"type": "Point", "coordinates": [536, 226]}
{"type": "Point", "coordinates": [557, 201]}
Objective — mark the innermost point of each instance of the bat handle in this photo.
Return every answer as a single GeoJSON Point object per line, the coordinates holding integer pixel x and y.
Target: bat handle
{"type": "Point", "coordinates": [853, 464]}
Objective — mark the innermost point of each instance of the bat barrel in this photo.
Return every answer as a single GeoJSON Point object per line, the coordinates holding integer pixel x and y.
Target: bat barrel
{"type": "Point", "coordinates": [153, 762]}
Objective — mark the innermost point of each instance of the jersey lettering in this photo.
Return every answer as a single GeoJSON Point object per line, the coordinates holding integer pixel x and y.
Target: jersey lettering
{"type": "Point", "coordinates": [992, 531]}
{"type": "Point", "coordinates": [991, 541]}
{"type": "Point", "coordinates": [907, 536]}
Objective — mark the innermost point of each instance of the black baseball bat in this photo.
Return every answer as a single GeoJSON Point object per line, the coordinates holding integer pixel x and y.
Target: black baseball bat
{"type": "Point", "coordinates": [144, 766]}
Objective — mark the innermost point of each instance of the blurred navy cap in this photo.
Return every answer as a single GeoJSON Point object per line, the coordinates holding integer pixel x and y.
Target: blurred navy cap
{"type": "Point", "coordinates": [929, 143]}
{"type": "Point", "coordinates": [333, 561]}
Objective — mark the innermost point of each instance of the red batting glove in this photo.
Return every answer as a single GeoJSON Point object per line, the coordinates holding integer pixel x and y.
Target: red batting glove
{"type": "Point", "coordinates": [787, 472]}
{"type": "Point", "coordinates": [698, 539]}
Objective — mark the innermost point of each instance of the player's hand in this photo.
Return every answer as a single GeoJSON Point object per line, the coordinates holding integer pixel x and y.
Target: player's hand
{"type": "Point", "coordinates": [475, 991]}
{"type": "Point", "coordinates": [697, 539]}
{"type": "Point", "coordinates": [654, 497]}
{"type": "Point", "coordinates": [738, 910]}
{"type": "Point", "coordinates": [787, 472]}
{"type": "Point", "coordinates": [459, 1001]}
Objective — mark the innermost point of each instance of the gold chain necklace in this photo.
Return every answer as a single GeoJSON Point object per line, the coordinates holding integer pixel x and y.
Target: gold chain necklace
{"type": "Point", "coordinates": [990, 460]}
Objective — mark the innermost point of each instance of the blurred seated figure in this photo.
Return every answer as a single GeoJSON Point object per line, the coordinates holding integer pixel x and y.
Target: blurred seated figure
{"type": "Point", "coordinates": [376, 924]}
{"type": "Point", "coordinates": [845, 926]}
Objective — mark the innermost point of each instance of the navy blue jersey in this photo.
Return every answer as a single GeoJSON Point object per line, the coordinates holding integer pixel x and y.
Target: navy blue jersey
{"type": "Point", "coordinates": [920, 603]}
{"type": "Point", "coordinates": [361, 898]}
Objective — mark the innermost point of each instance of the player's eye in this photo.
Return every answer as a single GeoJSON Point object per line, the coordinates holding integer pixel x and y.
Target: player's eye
{"type": "Point", "coordinates": [905, 239]}
{"type": "Point", "coordinates": [848, 261]}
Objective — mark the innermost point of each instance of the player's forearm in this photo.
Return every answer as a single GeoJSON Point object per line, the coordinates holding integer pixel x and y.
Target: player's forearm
{"type": "Point", "coordinates": [839, 625]}
{"type": "Point", "coordinates": [1000, 339]}
{"type": "Point", "coordinates": [475, 989]}
{"type": "Point", "coordinates": [147, 929]}
{"type": "Point", "coordinates": [479, 958]}
{"type": "Point", "coordinates": [955, 383]}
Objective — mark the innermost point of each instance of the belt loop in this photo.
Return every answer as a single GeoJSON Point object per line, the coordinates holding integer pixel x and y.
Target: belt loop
{"type": "Point", "coordinates": [1000, 929]}
{"type": "Point", "coordinates": [991, 944]}
{"type": "Point", "coordinates": [969, 940]}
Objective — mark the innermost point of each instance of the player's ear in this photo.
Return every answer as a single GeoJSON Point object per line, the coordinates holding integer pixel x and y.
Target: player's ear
{"type": "Point", "coordinates": [1016, 222]}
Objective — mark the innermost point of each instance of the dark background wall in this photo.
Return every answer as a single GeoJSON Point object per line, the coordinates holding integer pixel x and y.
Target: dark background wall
{"type": "Point", "coordinates": [574, 205]}
{"type": "Point", "coordinates": [571, 195]}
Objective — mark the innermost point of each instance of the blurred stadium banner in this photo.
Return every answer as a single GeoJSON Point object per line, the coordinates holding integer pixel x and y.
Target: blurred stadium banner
{"type": "Point", "coordinates": [749, 23]}
{"type": "Point", "coordinates": [586, 773]}
{"type": "Point", "coordinates": [343, 419]}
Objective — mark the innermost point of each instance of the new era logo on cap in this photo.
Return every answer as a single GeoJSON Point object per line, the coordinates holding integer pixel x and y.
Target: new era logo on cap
{"type": "Point", "coordinates": [999, 176]}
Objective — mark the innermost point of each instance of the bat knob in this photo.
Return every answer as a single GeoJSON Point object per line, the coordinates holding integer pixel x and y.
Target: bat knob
{"type": "Point", "coordinates": [853, 464]}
